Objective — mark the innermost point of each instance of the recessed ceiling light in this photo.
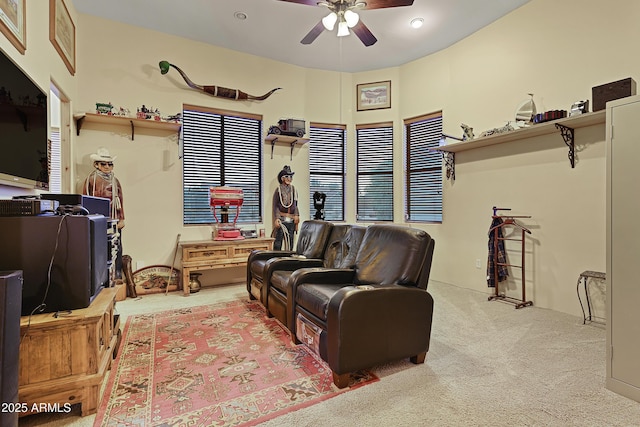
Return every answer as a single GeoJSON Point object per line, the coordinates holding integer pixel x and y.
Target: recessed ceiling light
{"type": "Point", "coordinates": [240, 15]}
{"type": "Point", "coordinates": [417, 22]}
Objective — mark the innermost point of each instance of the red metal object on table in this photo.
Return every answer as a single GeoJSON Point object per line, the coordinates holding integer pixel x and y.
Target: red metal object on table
{"type": "Point", "coordinates": [224, 198]}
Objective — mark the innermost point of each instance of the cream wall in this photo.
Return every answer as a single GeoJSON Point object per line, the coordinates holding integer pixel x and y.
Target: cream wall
{"type": "Point", "coordinates": [556, 50]}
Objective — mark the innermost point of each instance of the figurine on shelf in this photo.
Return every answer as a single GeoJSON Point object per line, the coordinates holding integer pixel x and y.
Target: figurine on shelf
{"type": "Point", "coordinates": [122, 112]}
{"type": "Point", "coordinates": [176, 118]}
{"type": "Point", "coordinates": [291, 127]}
{"type": "Point", "coordinates": [102, 108]}
{"type": "Point", "coordinates": [285, 211]}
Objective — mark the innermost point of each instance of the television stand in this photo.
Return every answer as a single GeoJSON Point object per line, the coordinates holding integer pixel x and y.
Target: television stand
{"type": "Point", "coordinates": [64, 359]}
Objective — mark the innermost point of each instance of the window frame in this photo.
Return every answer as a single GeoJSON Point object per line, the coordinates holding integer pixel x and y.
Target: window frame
{"type": "Point", "coordinates": [331, 174]}
{"type": "Point", "coordinates": [424, 169]}
{"type": "Point", "coordinates": [388, 172]}
{"type": "Point", "coordinates": [253, 192]}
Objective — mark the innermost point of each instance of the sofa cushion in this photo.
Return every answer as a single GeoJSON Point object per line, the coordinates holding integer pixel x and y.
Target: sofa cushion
{"type": "Point", "coordinates": [279, 280]}
{"type": "Point", "coordinates": [390, 254]}
{"type": "Point", "coordinates": [312, 238]}
{"type": "Point", "coordinates": [315, 298]}
{"type": "Point", "coordinates": [343, 245]}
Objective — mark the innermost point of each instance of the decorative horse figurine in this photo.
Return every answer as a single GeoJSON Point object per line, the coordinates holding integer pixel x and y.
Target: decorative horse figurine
{"type": "Point", "coordinates": [218, 91]}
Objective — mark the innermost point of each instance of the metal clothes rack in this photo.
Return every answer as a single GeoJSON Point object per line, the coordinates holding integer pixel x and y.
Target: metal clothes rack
{"type": "Point", "coordinates": [509, 221]}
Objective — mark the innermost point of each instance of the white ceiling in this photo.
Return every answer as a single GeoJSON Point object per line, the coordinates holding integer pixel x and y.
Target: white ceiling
{"type": "Point", "coordinates": [273, 29]}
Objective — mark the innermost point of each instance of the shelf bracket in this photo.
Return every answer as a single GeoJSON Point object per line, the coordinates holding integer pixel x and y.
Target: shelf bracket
{"type": "Point", "coordinates": [132, 128]}
{"type": "Point", "coordinates": [273, 144]}
{"type": "Point", "coordinates": [79, 122]}
{"type": "Point", "coordinates": [568, 137]}
{"type": "Point", "coordinates": [293, 144]}
{"type": "Point", "coordinates": [450, 164]}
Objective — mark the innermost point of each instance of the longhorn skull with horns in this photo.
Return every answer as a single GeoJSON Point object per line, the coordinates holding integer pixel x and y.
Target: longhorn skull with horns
{"type": "Point", "coordinates": [218, 91]}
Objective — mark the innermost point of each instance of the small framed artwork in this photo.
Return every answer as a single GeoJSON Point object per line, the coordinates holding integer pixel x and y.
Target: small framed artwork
{"type": "Point", "coordinates": [62, 33]}
{"type": "Point", "coordinates": [374, 96]}
{"type": "Point", "coordinates": [13, 23]}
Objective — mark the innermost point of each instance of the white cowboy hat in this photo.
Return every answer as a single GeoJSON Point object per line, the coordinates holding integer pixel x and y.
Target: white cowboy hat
{"type": "Point", "coordinates": [102, 155]}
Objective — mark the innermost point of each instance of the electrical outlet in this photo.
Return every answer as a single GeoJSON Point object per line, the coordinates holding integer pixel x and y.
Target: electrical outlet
{"type": "Point", "coordinates": [478, 264]}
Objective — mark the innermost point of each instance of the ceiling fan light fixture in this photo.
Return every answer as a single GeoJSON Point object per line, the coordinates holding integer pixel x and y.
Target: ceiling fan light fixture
{"type": "Point", "coordinates": [343, 29]}
{"type": "Point", "coordinates": [417, 22]}
{"type": "Point", "coordinates": [351, 17]}
{"type": "Point", "coordinates": [329, 21]}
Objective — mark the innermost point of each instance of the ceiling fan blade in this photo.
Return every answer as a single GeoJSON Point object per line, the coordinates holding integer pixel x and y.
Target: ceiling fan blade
{"type": "Point", "coordinates": [313, 34]}
{"type": "Point", "coordinates": [307, 2]}
{"type": "Point", "coordinates": [364, 34]}
{"type": "Point", "coordinates": [379, 4]}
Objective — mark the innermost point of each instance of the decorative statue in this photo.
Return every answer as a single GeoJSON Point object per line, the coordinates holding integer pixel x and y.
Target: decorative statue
{"type": "Point", "coordinates": [285, 211]}
{"type": "Point", "coordinates": [318, 203]}
{"type": "Point", "coordinates": [102, 182]}
{"type": "Point", "coordinates": [219, 91]}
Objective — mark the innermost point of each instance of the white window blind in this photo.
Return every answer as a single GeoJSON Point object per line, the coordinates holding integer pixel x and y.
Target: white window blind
{"type": "Point", "coordinates": [327, 168]}
{"type": "Point", "coordinates": [374, 172]}
{"type": "Point", "coordinates": [55, 162]}
{"type": "Point", "coordinates": [424, 168]}
{"type": "Point", "coordinates": [220, 148]}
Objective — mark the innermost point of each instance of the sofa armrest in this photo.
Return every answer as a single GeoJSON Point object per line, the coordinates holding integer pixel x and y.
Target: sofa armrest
{"type": "Point", "coordinates": [257, 255]}
{"type": "Point", "coordinates": [291, 264]}
{"type": "Point", "coordinates": [369, 325]}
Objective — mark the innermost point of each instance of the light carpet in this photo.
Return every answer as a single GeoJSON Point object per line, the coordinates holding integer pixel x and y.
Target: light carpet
{"type": "Point", "coordinates": [488, 365]}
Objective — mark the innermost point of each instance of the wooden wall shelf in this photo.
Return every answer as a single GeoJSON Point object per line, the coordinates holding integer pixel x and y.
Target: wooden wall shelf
{"type": "Point", "coordinates": [124, 121]}
{"type": "Point", "coordinates": [566, 127]}
{"type": "Point", "coordinates": [292, 140]}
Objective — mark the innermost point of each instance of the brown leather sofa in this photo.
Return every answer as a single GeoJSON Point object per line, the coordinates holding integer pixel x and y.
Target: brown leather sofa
{"type": "Point", "coordinates": [340, 252]}
{"type": "Point", "coordinates": [312, 241]}
{"type": "Point", "coordinates": [376, 312]}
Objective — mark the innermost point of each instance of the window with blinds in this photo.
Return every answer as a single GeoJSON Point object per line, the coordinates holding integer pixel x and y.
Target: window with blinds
{"type": "Point", "coordinates": [424, 168]}
{"type": "Point", "coordinates": [327, 168]}
{"type": "Point", "coordinates": [55, 162]}
{"type": "Point", "coordinates": [374, 172]}
{"type": "Point", "coordinates": [220, 148]}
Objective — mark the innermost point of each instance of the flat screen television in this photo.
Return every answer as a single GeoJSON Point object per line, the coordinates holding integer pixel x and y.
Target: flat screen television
{"type": "Point", "coordinates": [63, 259]}
{"type": "Point", "coordinates": [23, 128]}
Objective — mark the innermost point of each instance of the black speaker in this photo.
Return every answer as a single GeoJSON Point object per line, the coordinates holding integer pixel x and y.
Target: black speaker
{"type": "Point", "coordinates": [94, 205]}
{"type": "Point", "coordinates": [63, 259]}
{"type": "Point", "coordinates": [10, 304]}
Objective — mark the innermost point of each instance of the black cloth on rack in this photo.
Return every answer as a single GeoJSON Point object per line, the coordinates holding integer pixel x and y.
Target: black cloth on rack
{"type": "Point", "coordinates": [501, 256]}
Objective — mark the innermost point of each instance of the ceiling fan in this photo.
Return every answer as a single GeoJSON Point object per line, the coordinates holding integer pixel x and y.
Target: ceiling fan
{"type": "Point", "coordinates": [343, 12]}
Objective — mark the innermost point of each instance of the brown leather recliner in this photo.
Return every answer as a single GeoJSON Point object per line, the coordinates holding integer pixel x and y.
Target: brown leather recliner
{"type": "Point", "coordinates": [312, 241]}
{"type": "Point", "coordinates": [340, 252]}
{"type": "Point", "coordinates": [377, 312]}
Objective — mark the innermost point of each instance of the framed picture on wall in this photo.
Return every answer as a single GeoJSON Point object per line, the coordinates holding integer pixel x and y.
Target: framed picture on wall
{"type": "Point", "coordinates": [374, 96]}
{"type": "Point", "coordinates": [62, 33]}
{"type": "Point", "coordinates": [13, 23]}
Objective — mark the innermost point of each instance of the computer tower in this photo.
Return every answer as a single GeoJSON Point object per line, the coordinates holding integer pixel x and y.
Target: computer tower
{"type": "Point", "coordinates": [10, 304]}
{"type": "Point", "coordinates": [63, 259]}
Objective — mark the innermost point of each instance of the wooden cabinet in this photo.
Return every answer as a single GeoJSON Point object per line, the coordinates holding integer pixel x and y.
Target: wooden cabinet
{"type": "Point", "coordinates": [64, 359]}
{"type": "Point", "coordinates": [623, 247]}
{"type": "Point", "coordinates": [212, 254]}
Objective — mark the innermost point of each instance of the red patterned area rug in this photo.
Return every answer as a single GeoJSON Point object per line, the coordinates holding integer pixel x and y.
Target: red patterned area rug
{"type": "Point", "coordinates": [224, 364]}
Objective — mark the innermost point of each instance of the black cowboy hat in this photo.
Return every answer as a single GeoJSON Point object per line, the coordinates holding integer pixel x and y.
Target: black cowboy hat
{"type": "Point", "coordinates": [286, 170]}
